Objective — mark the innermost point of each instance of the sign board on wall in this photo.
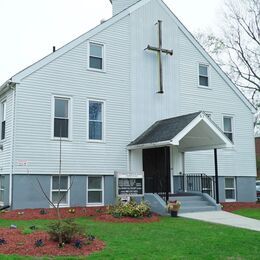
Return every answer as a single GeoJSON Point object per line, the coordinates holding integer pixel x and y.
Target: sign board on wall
{"type": "Point", "coordinates": [129, 184]}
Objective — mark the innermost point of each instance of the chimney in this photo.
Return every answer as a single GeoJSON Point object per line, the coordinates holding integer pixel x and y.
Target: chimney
{"type": "Point", "coordinates": [120, 5]}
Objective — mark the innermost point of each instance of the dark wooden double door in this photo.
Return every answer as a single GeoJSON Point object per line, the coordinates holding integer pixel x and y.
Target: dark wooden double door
{"type": "Point", "coordinates": [156, 166]}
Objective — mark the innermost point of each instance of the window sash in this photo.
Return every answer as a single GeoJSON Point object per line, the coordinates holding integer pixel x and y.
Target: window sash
{"type": "Point", "coordinates": [61, 123]}
{"type": "Point", "coordinates": [228, 129]}
{"type": "Point", "coordinates": [63, 190]}
{"type": "Point", "coordinates": [96, 126]}
{"type": "Point", "coordinates": [3, 120]}
{"type": "Point", "coordinates": [97, 192]}
{"type": "Point", "coordinates": [96, 60]}
{"type": "Point", "coordinates": [230, 190]}
{"type": "Point", "coordinates": [203, 77]}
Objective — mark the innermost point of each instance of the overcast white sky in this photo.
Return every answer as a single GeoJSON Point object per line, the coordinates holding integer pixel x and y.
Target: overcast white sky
{"type": "Point", "coordinates": [29, 28]}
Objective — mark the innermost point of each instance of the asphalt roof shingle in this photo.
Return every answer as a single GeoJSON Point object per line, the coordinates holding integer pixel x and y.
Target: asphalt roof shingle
{"type": "Point", "coordinates": [164, 130]}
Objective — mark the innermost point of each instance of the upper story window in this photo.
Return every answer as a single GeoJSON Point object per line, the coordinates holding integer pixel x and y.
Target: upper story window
{"type": "Point", "coordinates": [95, 120]}
{"type": "Point", "coordinates": [3, 119]}
{"type": "Point", "coordinates": [61, 117]}
{"type": "Point", "coordinates": [203, 75]}
{"type": "Point", "coordinates": [96, 56]}
{"type": "Point", "coordinates": [228, 127]}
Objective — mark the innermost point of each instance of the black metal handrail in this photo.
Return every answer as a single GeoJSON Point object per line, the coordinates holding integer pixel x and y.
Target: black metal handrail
{"type": "Point", "coordinates": [195, 182]}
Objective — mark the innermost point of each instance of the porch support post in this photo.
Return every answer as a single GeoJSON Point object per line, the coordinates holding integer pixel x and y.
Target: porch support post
{"type": "Point", "coordinates": [216, 175]}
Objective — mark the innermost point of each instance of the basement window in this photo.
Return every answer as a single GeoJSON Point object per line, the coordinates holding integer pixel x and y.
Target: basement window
{"type": "Point", "coordinates": [2, 188]}
{"type": "Point", "coordinates": [230, 189]}
{"type": "Point", "coordinates": [95, 193]}
{"type": "Point", "coordinates": [60, 190]}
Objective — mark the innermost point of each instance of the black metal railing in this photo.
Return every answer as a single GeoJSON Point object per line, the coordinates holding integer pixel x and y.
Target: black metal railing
{"type": "Point", "coordinates": [194, 182]}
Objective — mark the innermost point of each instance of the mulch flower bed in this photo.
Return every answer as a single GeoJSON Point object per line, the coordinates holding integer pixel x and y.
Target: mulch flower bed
{"type": "Point", "coordinates": [232, 206]}
{"type": "Point", "coordinates": [110, 218]}
{"type": "Point", "coordinates": [32, 214]}
{"type": "Point", "coordinates": [17, 243]}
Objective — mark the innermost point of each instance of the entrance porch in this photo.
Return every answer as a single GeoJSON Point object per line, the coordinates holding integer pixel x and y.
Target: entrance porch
{"type": "Point", "coordinates": [160, 153]}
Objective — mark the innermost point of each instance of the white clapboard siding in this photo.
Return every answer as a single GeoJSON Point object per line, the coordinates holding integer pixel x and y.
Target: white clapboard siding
{"type": "Point", "coordinates": [182, 94]}
{"type": "Point", "coordinates": [5, 154]}
{"type": "Point", "coordinates": [68, 76]}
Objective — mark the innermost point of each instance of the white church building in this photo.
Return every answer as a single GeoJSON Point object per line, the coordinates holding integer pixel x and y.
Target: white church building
{"type": "Point", "coordinates": [135, 94]}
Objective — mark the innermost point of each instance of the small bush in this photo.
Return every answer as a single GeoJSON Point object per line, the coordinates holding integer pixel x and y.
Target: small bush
{"type": "Point", "coordinates": [78, 243]}
{"type": "Point", "coordinates": [67, 228]}
{"type": "Point", "coordinates": [39, 243]}
{"type": "Point", "coordinates": [2, 241]}
{"type": "Point", "coordinates": [130, 209]}
{"type": "Point", "coordinates": [43, 211]}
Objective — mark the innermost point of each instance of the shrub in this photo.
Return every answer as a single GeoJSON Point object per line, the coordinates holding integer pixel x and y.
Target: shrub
{"type": "Point", "coordinates": [78, 243]}
{"type": "Point", "coordinates": [2, 241]}
{"type": "Point", "coordinates": [67, 228]}
{"type": "Point", "coordinates": [43, 211]}
{"type": "Point", "coordinates": [39, 243]}
{"type": "Point", "coordinates": [130, 209]}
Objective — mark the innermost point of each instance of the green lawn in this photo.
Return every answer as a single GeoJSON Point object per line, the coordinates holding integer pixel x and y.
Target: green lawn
{"type": "Point", "coordinates": [251, 213]}
{"type": "Point", "coordinates": [171, 238]}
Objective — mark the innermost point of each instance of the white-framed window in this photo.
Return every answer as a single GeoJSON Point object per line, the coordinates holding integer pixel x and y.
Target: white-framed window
{"type": "Point", "coordinates": [96, 56]}
{"type": "Point", "coordinates": [60, 183]}
{"type": "Point", "coordinates": [230, 189]}
{"type": "Point", "coordinates": [2, 188]}
{"type": "Point", "coordinates": [61, 117]}
{"type": "Point", "coordinates": [96, 120]}
{"type": "Point", "coordinates": [203, 75]}
{"type": "Point", "coordinates": [228, 127]}
{"type": "Point", "coordinates": [95, 190]}
{"type": "Point", "coordinates": [3, 120]}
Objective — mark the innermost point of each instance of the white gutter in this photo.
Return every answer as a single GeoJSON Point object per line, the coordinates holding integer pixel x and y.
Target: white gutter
{"type": "Point", "coordinates": [149, 145]}
{"type": "Point", "coordinates": [12, 147]}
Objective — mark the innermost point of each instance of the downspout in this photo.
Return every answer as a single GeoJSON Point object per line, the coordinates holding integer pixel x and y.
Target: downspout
{"type": "Point", "coordinates": [12, 146]}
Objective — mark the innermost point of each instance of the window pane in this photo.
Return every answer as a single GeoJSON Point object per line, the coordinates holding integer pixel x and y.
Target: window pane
{"type": "Point", "coordinates": [61, 128]}
{"type": "Point", "coordinates": [3, 130]}
{"type": "Point", "coordinates": [63, 182]}
{"type": "Point", "coordinates": [229, 136]}
{"type": "Point", "coordinates": [95, 130]}
{"type": "Point", "coordinates": [2, 178]}
{"type": "Point", "coordinates": [94, 183]}
{"type": "Point", "coordinates": [95, 197]}
{"type": "Point", "coordinates": [56, 198]}
{"type": "Point", "coordinates": [95, 110]}
{"type": "Point", "coordinates": [95, 63]}
{"type": "Point", "coordinates": [96, 50]}
{"type": "Point", "coordinates": [61, 108]}
{"type": "Point", "coordinates": [204, 81]}
{"type": "Point", "coordinates": [227, 124]}
{"type": "Point", "coordinates": [229, 183]}
{"type": "Point", "coordinates": [1, 195]}
{"type": "Point", "coordinates": [230, 194]}
{"type": "Point", "coordinates": [203, 70]}
{"type": "Point", "coordinates": [3, 114]}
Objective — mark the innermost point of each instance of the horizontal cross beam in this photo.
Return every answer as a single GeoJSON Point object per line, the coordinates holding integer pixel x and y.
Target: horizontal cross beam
{"type": "Point", "coordinates": [149, 47]}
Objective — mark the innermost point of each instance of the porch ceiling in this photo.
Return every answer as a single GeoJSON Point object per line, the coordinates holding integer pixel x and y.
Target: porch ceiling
{"type": "Point", "coordinates": [190, 132]}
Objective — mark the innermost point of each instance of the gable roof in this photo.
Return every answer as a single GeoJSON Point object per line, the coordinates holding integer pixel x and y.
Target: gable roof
{"type": "Point", "coordinates": [164, 130]}
{"type": "Point", "coordinates": [49, 58]}
{"type": "Point", "coordinates": [191, 132]}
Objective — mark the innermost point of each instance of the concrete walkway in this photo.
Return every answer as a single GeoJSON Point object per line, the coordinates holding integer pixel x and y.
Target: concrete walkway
{"type": "Point", "coordinates": [225, 218]}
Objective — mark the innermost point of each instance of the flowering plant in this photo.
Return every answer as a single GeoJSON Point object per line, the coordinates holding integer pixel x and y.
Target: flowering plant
{"type": "Point", "coordinates": [173, 205]}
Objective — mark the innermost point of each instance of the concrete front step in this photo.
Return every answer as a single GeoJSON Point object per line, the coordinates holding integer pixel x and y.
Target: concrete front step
{"type": "Point", "coordinates": [186, 209]}
{"type": "Point", "coordinates": [196, 203]}
{"type": "Point", "coordinates": [187, 198]}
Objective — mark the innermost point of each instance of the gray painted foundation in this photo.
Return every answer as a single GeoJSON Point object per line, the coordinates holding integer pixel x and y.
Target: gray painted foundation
{"type": "Point", "coordinates": [27, 193]}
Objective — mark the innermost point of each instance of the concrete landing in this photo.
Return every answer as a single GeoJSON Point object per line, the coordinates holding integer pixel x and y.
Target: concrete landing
{"type": "Point", "coordinates": [225, 218]}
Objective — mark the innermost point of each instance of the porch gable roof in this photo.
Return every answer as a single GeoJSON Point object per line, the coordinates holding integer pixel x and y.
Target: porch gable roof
{"type": "Point", "coordinates": [194, 131]}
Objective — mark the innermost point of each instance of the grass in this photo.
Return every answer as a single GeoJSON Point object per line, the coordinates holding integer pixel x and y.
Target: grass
{"type": "Point", "coordinates": [171, 238]}
{"type": "Point", "coordinates": [251, 213]}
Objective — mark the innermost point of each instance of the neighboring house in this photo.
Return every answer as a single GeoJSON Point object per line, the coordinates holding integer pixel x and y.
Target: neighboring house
{"type": "Point", "coordinates": [102, 92]}
{"type": "Point", "coordinates": [257, 151]}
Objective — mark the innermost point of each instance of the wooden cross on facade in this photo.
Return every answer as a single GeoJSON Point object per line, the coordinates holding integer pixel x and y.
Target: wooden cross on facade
{"type": "Point", "coordinates": [160, 51]}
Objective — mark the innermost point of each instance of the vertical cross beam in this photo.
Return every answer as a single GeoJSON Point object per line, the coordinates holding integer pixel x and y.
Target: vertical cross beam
{"type": "Point", "coordinates": [160, 51]}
